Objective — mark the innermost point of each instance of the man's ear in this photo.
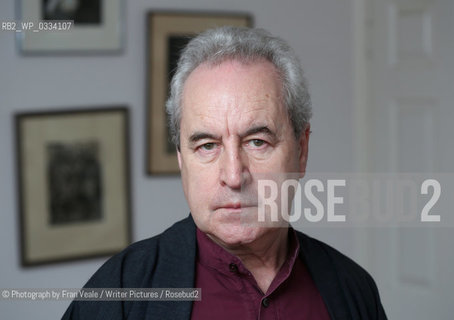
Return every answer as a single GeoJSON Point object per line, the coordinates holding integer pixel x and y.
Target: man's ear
{"type": "Point", "coordinates": [303, 143]}
{"type": "Point", "coordinates": [179, 157]}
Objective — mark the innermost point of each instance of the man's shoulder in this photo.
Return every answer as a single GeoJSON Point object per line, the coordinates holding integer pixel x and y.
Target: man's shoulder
{"type": "Point", "coordinates": [314, 249]}
{"type": "Point", "coordinates": [323, 255]}
{"type": "Point", "coordinates": [135, 265]}
{"type": "Point", "coordinates": [343, 283]}
{"type": "Point", "coordinates": [163, 261]}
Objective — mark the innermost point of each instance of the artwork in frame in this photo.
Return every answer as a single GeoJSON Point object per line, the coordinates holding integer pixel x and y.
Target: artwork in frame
{"type": "Point", "coordinates": [73, 179]}
{"type": "Point", "coordinates": [168, 33]}
{"type": "Point", "coordinates": [62, 26]}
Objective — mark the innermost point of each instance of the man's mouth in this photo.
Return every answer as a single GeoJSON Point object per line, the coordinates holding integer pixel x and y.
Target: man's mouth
{"type": "Point", "coordinates": [234, 206]}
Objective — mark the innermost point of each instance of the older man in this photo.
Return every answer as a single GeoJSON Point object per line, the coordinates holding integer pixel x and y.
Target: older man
{"type": "Point", "coordinates": [239, 110]}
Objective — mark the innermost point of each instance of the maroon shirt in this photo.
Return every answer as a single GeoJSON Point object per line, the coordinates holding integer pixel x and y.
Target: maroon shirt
{"type": "Point", "coordinates": [229, 290]}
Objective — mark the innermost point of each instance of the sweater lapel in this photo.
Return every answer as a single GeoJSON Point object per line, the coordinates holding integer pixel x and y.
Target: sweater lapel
{"type": "Point", "coordinates": [175, 269]}
{"type": "Point", "coordinates": [321, 269]}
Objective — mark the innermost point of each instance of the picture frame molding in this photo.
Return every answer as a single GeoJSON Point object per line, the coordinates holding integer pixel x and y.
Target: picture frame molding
{"type": "Point", "coordinates": [22, 215]}
{"type": "Point", "coordinates": [109, 38]}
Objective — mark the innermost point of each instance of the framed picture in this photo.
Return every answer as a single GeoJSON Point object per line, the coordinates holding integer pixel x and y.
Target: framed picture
{"type": "Point", "coordinates": [168, 33]}
{"type": "Point", "coordinates": [73, 172]}
{"type": "Point", "coordinates": [96, 26]}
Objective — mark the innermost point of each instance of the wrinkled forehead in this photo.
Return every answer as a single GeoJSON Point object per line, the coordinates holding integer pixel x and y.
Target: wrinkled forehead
{"type": "Point", "coordinates": [234, 77]}
{"type": "Point", "coordinates": [229, 68]}
{"type": "Point", "coordinates": [233, 93]}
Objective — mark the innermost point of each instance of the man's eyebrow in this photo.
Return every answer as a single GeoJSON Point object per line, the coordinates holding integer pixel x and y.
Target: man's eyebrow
{"type": "Point", "coordinates": [196, 136]}
{"type": "Point", "coordinates": [259, 129]}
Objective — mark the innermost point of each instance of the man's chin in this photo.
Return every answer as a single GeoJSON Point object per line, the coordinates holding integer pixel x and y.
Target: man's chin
{"type": "Point", "coordinates": [242, 217]}
{"type": "Point", "coordinates": [236, 235]}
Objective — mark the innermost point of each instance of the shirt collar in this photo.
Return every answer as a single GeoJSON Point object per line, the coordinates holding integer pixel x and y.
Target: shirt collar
{"type": "Point", "coordinates": [214, 256]}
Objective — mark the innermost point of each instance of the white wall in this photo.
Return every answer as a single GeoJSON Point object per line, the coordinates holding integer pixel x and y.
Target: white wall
{"type": "Point", "coordinates": [319, 30]}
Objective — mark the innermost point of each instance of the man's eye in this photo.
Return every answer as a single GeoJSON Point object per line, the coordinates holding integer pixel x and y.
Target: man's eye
{"type": "Point", "coordinates": [256, 142]}
{"type": "Point", "coordinates": [208, 146]}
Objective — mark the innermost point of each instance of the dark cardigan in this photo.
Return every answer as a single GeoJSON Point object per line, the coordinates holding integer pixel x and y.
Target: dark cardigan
{"type": "Point", "coordinates": [168, 261]}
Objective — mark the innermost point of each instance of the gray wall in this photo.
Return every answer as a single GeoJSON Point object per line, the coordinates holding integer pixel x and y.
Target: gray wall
{"type": "Point", "coordinates": [319, 30]}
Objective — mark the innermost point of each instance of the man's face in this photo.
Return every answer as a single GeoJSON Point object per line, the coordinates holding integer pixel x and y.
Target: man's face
{"type": "Point", "coordinates": [234, 128]}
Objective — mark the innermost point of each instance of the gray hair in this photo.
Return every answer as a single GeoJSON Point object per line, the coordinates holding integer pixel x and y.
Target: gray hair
{"type": "Point", "coordinates": [215, 46]}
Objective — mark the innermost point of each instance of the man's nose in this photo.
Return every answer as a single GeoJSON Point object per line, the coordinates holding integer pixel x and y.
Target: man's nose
{"type": "Point", "coordinates": [233, 168]}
